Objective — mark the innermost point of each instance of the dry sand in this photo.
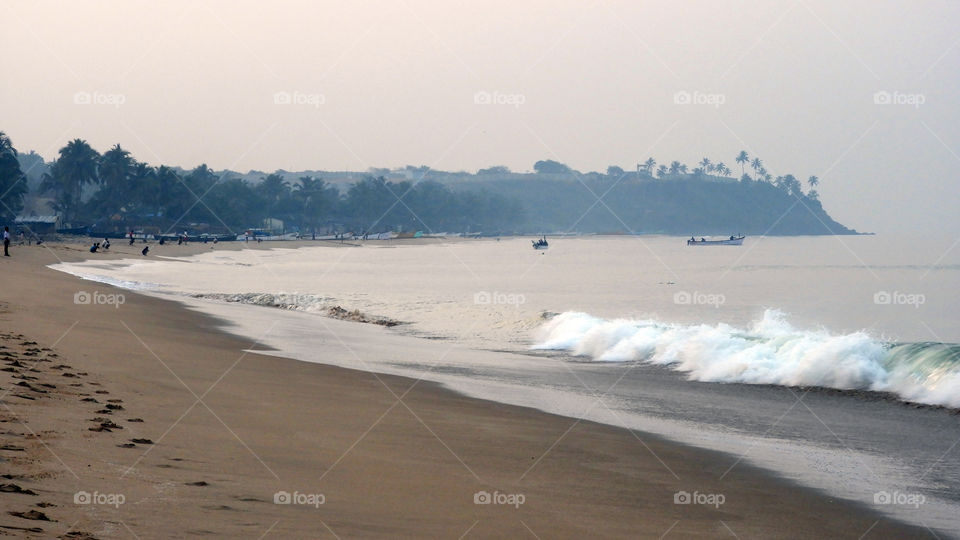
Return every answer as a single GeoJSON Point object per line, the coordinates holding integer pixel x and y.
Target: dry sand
{"type": "Point", "coordinates": [223, 431]}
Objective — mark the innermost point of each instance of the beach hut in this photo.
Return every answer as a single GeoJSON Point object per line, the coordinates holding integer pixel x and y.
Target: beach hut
{"type": "Point", "coordinates": [37, 225]}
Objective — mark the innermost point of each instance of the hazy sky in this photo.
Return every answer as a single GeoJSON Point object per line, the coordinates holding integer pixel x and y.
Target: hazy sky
{"type": "Point", "coordinates": [464, 85]}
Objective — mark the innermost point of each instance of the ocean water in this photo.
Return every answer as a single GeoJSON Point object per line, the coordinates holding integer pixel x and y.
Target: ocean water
{"type": "Point", "coordinates": [828, 360]}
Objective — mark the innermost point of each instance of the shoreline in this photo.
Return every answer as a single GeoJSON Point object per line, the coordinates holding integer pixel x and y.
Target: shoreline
{"type": "Point", "coordinates": [386, 467]}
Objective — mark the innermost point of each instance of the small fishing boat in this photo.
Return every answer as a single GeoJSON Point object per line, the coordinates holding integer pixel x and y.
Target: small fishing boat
{"type": "Point", "coordinates": [541, 243]}
{"type": "Point", "coordinates": [732, 241]}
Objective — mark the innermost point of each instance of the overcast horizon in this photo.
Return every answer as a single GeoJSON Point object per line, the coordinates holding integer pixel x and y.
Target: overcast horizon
{"type": "Point", "coordinates": [860, 94]}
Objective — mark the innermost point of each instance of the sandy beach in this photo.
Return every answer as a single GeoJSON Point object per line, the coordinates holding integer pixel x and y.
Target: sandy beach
{"type": "Point", "coordinates": [145, 420]}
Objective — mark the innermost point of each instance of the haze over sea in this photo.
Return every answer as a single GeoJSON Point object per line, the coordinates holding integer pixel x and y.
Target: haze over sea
{"type": "Point", "coordinates": [808, 356]}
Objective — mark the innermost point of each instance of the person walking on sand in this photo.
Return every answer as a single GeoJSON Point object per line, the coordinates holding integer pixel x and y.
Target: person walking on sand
{"type": "Point", "coordinates": [6, 241]}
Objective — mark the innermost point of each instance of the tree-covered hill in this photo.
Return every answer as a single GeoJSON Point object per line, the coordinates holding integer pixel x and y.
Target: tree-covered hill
{"type": "Point", "coordinates": [113, 192]}
{"type": "Point", "coordinates": [681, 206]}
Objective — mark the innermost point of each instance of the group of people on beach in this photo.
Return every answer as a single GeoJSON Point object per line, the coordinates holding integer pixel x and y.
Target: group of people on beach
{"type": "Point", "coordinates": [97, 246]}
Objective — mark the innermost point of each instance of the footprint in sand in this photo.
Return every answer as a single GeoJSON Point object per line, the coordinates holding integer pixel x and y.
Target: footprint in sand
{"type": "Point", "coordinates": [79, 535]}
{"type": "Point", "coordinates": [14, 488]}
{"type": "Point", "coordinates": [106, 426]}
{"type": "Point", "coordinates": [31, 514]}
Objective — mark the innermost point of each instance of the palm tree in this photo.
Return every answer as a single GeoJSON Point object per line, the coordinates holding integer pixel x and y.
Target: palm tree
{"type": "Point", "coordinates": [742, 158]}
{"type": "Point", "coordinates": [315, 198]}
{"type": "Point", "coordinates": [813, 182]}
{"type": "Point", "coordinates": [13, 182]}
{"type": "Point", "coordinates": [721, 169]}
{"type": "Point", "coordinates": [661, 171]}
{"type": "Point", "coordinates": [170, 194]}
{"type": "Point", "coordinates": [683, 169]}
{"type": "Point", "coordinates": [70, 173]}
{"type": "Point", "coordinates": [649, 164]}
{"type": "Point", "coordinates": [756, 164]}
{"type": "Point", "coordinates": [114, 170]}
{"type": "Point", "coordinates": [675, 167]}
{"type": "Point", "coordinates": [793, 186]}
{"type": "Point", "coordinates": [706, 165]}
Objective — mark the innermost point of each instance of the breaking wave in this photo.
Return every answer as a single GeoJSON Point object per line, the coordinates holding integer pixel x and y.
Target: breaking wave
{"type": "Point", "coordinates": [771, 351]}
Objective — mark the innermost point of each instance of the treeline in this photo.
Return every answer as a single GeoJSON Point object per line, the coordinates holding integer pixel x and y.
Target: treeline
{"type": "Point", "coordinates": [114, 192]}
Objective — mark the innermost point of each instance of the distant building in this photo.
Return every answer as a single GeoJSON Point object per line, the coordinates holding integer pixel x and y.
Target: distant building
{"type": "Point", "coordinates": [37, 224]}
{"type": "Point", "coordinates": [273, 225]}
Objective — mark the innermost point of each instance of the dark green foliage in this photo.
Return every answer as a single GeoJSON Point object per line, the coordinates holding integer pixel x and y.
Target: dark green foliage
{"type": "Point", "coordinates": [13, 182]}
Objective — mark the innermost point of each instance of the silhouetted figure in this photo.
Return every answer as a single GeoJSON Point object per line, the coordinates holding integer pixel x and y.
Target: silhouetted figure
{"type": "Point", "coordinates": [6, 241]}
{"type": "Point", "coordinates": [145, 250]}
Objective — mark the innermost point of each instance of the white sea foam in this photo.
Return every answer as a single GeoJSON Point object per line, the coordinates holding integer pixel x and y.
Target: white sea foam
{"type": "Point", "coordinates": [771, 351]}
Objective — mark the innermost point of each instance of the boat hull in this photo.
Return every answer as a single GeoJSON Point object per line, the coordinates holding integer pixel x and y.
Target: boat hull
{"type": "Point", "coordinates": [728, 242]}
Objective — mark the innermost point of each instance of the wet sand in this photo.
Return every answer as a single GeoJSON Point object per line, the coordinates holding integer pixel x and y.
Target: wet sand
{"type": "Point", "coordinates": [160, 420]}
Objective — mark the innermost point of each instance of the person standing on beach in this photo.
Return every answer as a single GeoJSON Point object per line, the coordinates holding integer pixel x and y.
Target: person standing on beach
{"type": "Point", "coordinates": [6, 241]}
